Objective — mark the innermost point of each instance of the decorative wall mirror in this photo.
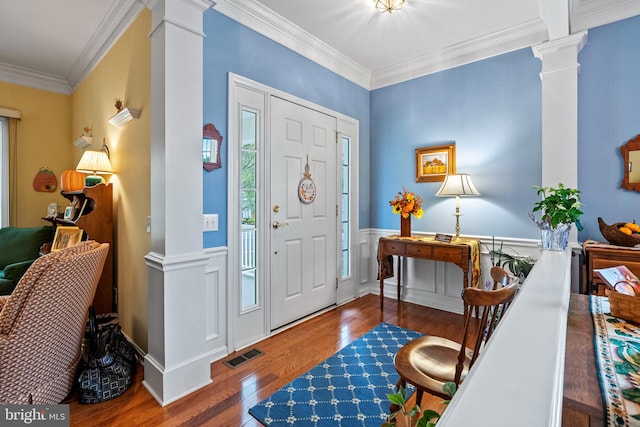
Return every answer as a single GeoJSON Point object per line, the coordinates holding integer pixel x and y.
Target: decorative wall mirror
{"type": "Point", "coordinates": [211, 144]}
{"type": "Point", "coordinates": [631, 155]}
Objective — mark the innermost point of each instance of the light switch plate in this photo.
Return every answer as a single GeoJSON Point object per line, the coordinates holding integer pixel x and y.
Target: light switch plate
{"type": "Point", "coordinates": [210, 222]}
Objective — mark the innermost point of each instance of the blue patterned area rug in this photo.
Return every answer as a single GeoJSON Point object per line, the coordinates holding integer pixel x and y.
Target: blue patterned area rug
{"type": "Point", "coordinates": [348, 389]}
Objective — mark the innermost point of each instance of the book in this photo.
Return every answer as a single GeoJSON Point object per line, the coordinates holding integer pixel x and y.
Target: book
{"type": "Point", "coordinates": [620, 279]}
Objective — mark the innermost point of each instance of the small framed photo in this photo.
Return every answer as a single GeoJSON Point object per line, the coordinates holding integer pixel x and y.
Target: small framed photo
{"type": "Point", "coordinates": [68, 212]}
{"type": "Point", "coordinates": [52, 210]}
{"type": "Point", "coordinates": [66, 236]}
{"type": "Point", "coordinates": [434, 163]}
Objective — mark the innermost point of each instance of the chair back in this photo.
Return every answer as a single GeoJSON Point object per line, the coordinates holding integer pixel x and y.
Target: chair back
{"type": "Point", "coordinates": [490, 306]}
{"type": "Point", "coordinates": [501, 278]}
{"type": "Point", "coordinates": [43, 322]}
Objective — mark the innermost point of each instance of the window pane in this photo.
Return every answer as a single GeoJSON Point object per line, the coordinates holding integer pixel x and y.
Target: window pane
{"type": "Point", "coordinates": [345, 235]}
{"type": "Point", "coordinates": [345, 208]}
{"type": "Point", "coordinates": [346, 214]}
{"type": "Point", "coordinates": [249, 289]}
{"type": "Point", "coordinates": [345, 179]}
{"type": "Point", "coordinates": [248, 169]}
{"type": "Point", "coordinates": [249, 208]}
{"type": "Point", "coordinates": [345, 264]}
{"type": "Point", "coordinates": [249, 130]}
{"type": "Point", "coordinates": [345, 150]}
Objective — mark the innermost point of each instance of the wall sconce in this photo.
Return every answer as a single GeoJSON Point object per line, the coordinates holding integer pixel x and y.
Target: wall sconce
{"type": "Point", "coordinates": [95, 163]}
{"type": "Point", "coordinates": [124, 115]}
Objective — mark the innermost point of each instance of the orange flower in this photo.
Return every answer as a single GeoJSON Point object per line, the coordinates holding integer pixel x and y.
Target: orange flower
{"type": "Point", "coordinates": [406, 203]}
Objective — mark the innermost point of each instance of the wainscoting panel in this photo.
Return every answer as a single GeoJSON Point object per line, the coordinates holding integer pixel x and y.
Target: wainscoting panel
{"type": "Point", "coordinates": [216, 302]}
{"type": "Point", "coordinates": [364, 265]}
{"type": "Point", "coordinates": [431, 283]}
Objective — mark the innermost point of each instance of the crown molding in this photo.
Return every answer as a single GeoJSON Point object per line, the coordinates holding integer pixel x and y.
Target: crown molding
{"type": "Point", "coordinates": [26, 77]}
{"type": "Point", "coordinates": [587, 14]}
{"type": "Point", "coordinates": [273, 26]}
{"type": "Point", "coordinates": [121, 14]}
{"type": "Point", "coordinates": [508, 40]}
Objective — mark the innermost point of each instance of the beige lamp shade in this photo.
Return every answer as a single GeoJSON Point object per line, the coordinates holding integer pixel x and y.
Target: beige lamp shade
{"type": "Point", "coordinates": [95, 163]}
{"type": "Point", "coordinates": [457, 185]}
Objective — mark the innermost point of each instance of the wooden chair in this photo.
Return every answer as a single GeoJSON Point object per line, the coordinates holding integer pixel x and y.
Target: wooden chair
{"type": "Point", "coordinates": [501, 278]}
{"type": "Point", "coordinates": [429, 362]}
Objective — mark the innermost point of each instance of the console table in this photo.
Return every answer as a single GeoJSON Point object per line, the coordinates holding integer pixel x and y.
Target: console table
{"type": "Point", "coordinates": [459, 252]}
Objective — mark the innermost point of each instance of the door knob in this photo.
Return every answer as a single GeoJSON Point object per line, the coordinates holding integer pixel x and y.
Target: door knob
{"type": "Point", "coordinates": [277, 224]}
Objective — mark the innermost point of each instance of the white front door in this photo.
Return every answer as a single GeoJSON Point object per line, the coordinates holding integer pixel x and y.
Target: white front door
{"type": "Point", "coordinates": [304, 247]}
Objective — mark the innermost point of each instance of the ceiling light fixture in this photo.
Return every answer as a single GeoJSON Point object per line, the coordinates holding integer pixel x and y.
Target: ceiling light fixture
{"type": "Point", "coordinates": [389, 5]}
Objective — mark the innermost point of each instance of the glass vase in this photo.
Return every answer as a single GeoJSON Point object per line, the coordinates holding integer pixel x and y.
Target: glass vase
{"type": "Point", "coordinates": [553, 239]}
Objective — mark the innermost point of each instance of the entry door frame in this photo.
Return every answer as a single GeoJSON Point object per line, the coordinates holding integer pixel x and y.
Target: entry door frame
{"type": "Point", "coordinates": [244, 328]}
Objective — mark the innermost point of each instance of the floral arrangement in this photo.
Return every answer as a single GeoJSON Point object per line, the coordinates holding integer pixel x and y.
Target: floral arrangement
{"type": "Point", "coordinates": [407, 203]}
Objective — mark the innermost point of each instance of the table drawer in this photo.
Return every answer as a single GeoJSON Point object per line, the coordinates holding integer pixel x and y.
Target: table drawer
{"type": "Point", "coordinates": [395, 248]}
{"type": "Point", "coordinates": [449, 254]}
{"type": "Point", "coordinates": [419, 251]}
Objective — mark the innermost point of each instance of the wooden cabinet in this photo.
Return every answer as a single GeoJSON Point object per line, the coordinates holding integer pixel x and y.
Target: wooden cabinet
{"type": "Point", "coordinates": [94, 205]}
{"type": "Point", "coordinates": [604, 255]}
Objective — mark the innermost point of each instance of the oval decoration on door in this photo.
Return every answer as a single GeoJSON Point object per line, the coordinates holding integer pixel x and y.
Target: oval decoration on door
{"type": "Point", "coordinates": [306, 186]}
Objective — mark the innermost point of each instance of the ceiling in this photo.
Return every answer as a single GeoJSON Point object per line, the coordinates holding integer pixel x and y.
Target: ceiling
{"type": "Point", "coordinates": [54, 44]}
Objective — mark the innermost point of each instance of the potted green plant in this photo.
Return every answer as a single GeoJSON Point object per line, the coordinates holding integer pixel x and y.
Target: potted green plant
{"type": "Point", "coordinates": [415, 417]}
{"type": "Point", "coordinates": [559, 208]}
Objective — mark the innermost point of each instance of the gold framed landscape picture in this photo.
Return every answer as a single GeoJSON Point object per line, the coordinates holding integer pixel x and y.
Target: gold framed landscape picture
{"type": "Point", "coordinates": [434, 163]}
{"type": "Point", "coordinates": [66, 236]}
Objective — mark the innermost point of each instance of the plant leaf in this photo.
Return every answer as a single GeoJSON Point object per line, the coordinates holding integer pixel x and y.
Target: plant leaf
{"type": "Point", "coordinates": [396, 398]}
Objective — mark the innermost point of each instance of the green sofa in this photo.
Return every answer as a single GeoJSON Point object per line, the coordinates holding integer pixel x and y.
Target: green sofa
{"type": "Point", "coordinates": [19, 248]}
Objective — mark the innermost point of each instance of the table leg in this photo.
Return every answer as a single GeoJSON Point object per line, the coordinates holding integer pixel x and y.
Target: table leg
{"type": "Point", "coordinates": [381, 286]}
{"type": "Point", "coordinates": [465, 284]}
{"type": "Point", "coordinates": [399, 275]}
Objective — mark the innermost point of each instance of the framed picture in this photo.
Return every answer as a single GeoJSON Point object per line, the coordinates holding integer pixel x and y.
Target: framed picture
{"type": "Point", "coordinates": [67, 213]}
{"type": "Point", "coordinates": [65, 237]}
{"type": "Point", "coordinates": [434, 163]}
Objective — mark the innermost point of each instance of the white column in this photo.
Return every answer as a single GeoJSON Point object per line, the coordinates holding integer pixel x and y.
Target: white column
{"type": "Point", "coordinates": [176, 363]}
{"type": "Point", "coordinates": [559, 77]}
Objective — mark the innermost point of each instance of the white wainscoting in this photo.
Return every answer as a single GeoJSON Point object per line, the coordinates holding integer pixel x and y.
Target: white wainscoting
{"type": "Point", "coordinates": [432, 283]}
{"type": "Point", "coordinates": [216, 302]}
{"type": "Point", "coordinates": [429, 283]}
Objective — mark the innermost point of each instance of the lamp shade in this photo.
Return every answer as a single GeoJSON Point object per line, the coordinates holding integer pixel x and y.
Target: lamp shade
{"type": "Point", "coordinates": [96, 162]}
{"type": "Point", "coordinates": [457, 185]}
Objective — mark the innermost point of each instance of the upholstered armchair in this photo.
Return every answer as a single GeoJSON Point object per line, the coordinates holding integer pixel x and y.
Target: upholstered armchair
{"type": "Point", "coordinates": [42, 324]}
{"type": "Point", "coordinates": [19, 247]}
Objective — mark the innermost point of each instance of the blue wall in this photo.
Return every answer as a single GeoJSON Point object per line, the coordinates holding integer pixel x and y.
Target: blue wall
{"type": "Point", "coordinates": [491, 109]}
{"type": "Point", "coordinates": [608, 116]}
{"type": "Point", "coordinates": [231, 47]}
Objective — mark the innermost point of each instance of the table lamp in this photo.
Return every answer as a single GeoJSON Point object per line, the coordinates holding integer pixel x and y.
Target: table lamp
{"type": "Point", "coordinates": [95, 163]}
{"type": "Point", "coordinates": [457, 185]}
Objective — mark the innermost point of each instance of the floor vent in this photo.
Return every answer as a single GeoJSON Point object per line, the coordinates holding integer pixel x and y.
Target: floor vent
{"type": "Point", "coordinates": [243, 358]}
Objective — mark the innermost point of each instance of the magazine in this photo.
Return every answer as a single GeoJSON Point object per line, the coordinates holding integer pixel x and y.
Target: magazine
{"type": "Point", "coordinates": [620, 275]}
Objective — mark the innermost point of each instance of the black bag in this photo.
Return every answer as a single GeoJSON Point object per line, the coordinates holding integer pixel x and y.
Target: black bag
{"type": "Point", "coordinates": [109, 360]}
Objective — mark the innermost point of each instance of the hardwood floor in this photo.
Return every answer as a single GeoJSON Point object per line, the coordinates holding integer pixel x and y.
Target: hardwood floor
{"type": "Point", "coordinates": [227, 400]}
